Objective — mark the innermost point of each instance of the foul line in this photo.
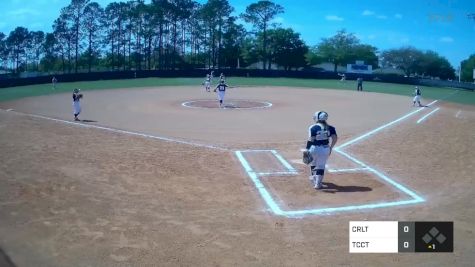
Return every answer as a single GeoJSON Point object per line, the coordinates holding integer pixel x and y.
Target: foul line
{"type": "Point", "coordinates": [383, 127]}
{"type": "Point", "coordinates": [347, 170]}
{"type": "Point", "coordinates": [427, 115]}
{"type": "Point", "coordinates": [166, 139]}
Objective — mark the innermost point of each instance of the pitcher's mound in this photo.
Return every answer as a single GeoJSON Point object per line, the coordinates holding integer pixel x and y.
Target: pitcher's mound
{"type": "Point", "coordinates": [228, 104]}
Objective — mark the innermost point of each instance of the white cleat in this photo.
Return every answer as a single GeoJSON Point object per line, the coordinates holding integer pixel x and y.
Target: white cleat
{"type": "Point", "coordinates": [318, 186]}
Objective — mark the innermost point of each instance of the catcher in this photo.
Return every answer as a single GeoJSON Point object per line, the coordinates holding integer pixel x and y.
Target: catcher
{"type": "Point", "coordinates": [77, 96]}
{"type": "Point", "coordinates": [319, 148]}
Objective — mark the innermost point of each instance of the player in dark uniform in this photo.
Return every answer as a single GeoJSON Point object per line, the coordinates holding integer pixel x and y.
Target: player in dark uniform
{"type": "Point", "coordinates": [360, 84]}
{"type": "Point", "coordinates": [318, 144]}
{"type": "Point", "coordinates": [221, 88]}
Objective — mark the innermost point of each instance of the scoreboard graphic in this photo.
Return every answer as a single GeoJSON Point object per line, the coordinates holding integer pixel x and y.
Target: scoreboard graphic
{"type": "Point", "coordinates": [399, 237]}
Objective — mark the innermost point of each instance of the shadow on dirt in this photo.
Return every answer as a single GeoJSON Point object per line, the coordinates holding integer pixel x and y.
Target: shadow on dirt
{"type": "Point", "coordinates": [334, 188]}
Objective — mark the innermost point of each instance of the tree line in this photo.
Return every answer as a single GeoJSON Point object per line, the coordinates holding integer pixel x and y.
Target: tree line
{"type": "Point", "coordinates": [180, 34]}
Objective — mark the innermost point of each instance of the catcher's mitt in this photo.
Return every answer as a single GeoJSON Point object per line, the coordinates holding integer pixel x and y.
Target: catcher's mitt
{"type": "Point", "coordinates": [80, 96]}
{"type": "Point", "coordinates": [307, 157]}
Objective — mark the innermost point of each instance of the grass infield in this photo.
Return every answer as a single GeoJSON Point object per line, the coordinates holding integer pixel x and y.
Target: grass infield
{"type": "Point", "coordinates": [447, 94]}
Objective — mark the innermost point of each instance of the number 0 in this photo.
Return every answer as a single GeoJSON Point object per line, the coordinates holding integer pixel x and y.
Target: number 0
{"type": "Point", "coordinates": [406, 229]}
{"type": "Point", "coordinates": [406, 244]}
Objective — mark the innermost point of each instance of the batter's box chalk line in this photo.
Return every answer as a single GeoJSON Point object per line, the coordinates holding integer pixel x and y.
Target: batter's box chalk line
{"type": "Point", "coordinates": [363, 167]}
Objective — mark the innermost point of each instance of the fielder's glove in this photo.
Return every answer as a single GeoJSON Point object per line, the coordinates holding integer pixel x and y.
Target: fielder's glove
{"type": "Point", "coordinates": [80, 96]}
{"type": "Point", "coordinates": [307, 157]}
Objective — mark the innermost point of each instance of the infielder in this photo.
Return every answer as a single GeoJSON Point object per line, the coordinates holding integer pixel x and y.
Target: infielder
{"type": "Point", "coordinates": [343, 77]}
{"type": "Point", "coordinates": [207, 83]}
{"type": "Point", "coordinates": [221, 88]}
{"type": "Point", "coordinates": [417, 97]}
{"type": "Point", "coordinates": [318, 144]}
{"type": "Point", "coordinates": [76, 104]}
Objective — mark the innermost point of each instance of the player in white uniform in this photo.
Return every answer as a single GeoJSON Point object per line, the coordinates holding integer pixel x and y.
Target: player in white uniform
{"type": "Point", "coordinates": [76, 104]}
{"type": "Point", "coordinates": [221, 89]}
{"type": "Point", "coordinates": [343, 77]}
{"type": "Point", "coordinates": [212, 75]}
{"type": "Point", "coordinates": [54, 81]}
{"type": "Point", "coordinates": [319, 146]}
{"type": "Point", "coordinates": [207, 83]}
{"type": "Point", "coordinates": [417, 97]}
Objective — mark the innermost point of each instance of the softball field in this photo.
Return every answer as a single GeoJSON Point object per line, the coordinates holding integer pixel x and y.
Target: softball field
{"type": "Point", "coordinates": [159, 176]}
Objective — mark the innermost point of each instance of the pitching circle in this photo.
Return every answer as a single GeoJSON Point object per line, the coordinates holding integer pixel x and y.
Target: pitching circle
{"type": "Point", "coordinates": [228, 104]}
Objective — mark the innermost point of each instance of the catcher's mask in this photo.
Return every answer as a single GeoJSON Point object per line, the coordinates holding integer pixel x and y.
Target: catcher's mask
{"type": "Point", "coordinates": [320, 116]}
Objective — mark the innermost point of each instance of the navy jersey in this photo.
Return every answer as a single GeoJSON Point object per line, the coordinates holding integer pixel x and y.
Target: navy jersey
{"type": "Point", "coordinates": [320, 134]}
{"type": "Point", "coordinates": [76, 97]}
{"type": "Point", "coordinates": [418, 91]}
{"type": "Point", "coordinates": [222, 87]}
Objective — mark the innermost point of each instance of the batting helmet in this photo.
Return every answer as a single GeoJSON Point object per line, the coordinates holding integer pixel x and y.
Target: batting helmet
{"type": "Point", "coordinates": [320, 116]}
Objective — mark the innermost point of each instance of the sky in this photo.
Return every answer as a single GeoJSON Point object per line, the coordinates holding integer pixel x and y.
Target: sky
{"type": "Point", "coordinates": [439, 25]}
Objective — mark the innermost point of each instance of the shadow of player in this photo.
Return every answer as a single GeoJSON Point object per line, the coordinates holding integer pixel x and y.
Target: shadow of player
{"type": "Point", "coordinates": [87, 121]}
{"type": "Point", "coordinates": [5, 259]}
{"type": "Point", "coordinates": [333, 188]}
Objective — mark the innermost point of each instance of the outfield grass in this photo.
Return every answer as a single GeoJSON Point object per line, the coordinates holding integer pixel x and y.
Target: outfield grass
{"type": "Point", "coordinates": [462, 96]}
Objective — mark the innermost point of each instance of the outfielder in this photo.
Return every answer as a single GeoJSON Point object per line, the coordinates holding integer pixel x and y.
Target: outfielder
{"type": "Point", "coordinates": [54, 81]}
{"type": "Point", "coordinates": [76, 104]}
{"type": "Point", "coordinates": [319, 146]}
{"type": "Point", "coordinates": [359, 87]}
{"type": "Point", "coordinates": [417, 97]}
{"type": "Point", "coordinates": [207, 83]}
{"type": "Point", "coordinates": [221, 88]}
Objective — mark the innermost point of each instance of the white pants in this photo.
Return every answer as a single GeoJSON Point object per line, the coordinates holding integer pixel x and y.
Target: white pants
{"type": "Point", "coordinates": [207, 85]}
{"type": "Point", "coordinates": [320, 156]}
{"type": "Point", "coordinates": [76, 107]}
{"type": "Point", "coordinates": [221, 95]}
{"type": "Point", "coordinates": [417, 98]}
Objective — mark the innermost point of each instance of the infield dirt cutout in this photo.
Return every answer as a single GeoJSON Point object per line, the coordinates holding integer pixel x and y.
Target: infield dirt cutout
{"type": "Point", "coordinates": [74, 196]}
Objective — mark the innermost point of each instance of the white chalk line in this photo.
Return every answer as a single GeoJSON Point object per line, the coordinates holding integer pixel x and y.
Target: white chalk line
{"type": "Point", "coordinates": [382, 127]}
{"type": "Point", "coordinates": [427, 115]}
{"type": "Point", "coordinates": [458, 113]}
{"type": "Point", "coordinates": [187, 105]}
{"type": "Point", "coordinates": [347, 170]}
{"type": "Point", "coordinates": [166, 139]}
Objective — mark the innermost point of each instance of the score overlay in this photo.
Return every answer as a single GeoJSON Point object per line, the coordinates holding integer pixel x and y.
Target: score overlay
{"type": "Point", "coordinates": [395, 236]}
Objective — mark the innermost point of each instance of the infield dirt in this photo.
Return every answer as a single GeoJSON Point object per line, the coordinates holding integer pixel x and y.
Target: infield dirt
{"type": "Point", "coordinates": [73, 196]}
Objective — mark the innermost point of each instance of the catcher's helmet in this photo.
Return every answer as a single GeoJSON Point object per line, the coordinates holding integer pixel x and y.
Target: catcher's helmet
{"type": "Point", "coordinates": [320, 116]}
{"type": "Point", "coordinates": [76, 90]}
